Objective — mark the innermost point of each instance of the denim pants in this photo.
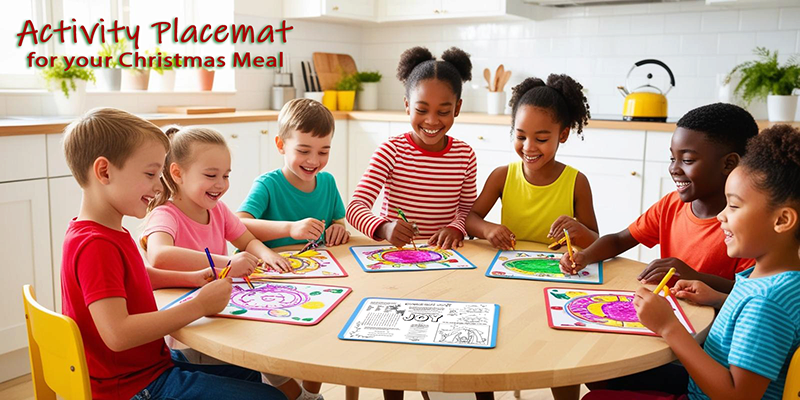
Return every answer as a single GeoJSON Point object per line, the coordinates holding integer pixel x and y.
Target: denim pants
{"type": "Point", "coordinates": [193, 381]}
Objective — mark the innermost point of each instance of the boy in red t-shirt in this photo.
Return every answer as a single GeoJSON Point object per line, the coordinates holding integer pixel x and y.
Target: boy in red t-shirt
{"type": "Point", "coordinates": [706, 146]}
{"type": "Point", "coordinates": [117, 159]}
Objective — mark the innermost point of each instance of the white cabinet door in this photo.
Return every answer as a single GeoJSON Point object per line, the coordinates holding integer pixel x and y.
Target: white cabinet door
{"type": "Point", "coordinates": [657, 184]}
{"type": "Point", "coordinates": [25, 245]}
{"type": "Point", "coordinates": [244, 140]}
{"type": "Point", "coordinates": [411, 9]}
{"type": "Point", "coordinates": [270, 158]}
{"type": "Point", "coordinates": [471, 7]}
{"type": "Point", "coordinates": [23, 157]}
{"type": "Point", "coordinates": [616, 191]}
{"type": "Point", "coordinates": [488, 160]}
{"type": "Point", "coordinates": [350, 9]}
{"type": "Point", "coordinates": [65, 202]}
{"type": "Point", "coordinates": [363, 139]}
{"type": "Point", "coordinates": [337, 163]}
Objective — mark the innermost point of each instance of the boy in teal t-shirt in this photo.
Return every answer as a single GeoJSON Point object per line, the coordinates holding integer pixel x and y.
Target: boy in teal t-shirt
{"type": "Point", "coordinates": [298, 202]}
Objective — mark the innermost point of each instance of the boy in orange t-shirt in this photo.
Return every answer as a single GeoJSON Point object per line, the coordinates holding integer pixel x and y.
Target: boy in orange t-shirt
{"type": "Point", "coordinates": [706, 146]}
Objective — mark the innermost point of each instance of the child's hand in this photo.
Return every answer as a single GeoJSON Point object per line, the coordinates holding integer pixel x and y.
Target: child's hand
{"type": "Point", "coordinates": [399, 233]}
{"type": "Point", "coordinates": [307, 229]}
{"type": "Point", "coordinates": [499, 236]}
{"type": "Point", "coordinates": [568, 267]}
{"type": "Point", "coordinates": [657, 269]}
{"type": "Point", "coordinates": [277, 263]}
{"type": "Point", "coordinates": [447, 238]}
{"type": "Point", "coordinates": [201, 277]}
{"type": "Point", "coordinates": [242, 264]}
{"type": "Point", "coordinates": [698, 292]}
{"type": "Point", "coordinates": [214, 297]}
{"type": "Point", "coordinates": [654, 312]}
{"type": "Point", "coordinates": [577, 231]}
{"type": "Point", "coordinates": [336, 234]}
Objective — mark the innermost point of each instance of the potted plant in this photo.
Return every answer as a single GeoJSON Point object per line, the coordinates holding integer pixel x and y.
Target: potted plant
{"type": "Point", "coordinates": [111, 77]}
{"type": "Point", "coordinates": [346, 92]}
{"type": "Point", "coordinates": [765, 78]}
{"type": "Point", "coordinates": [135, 78]}
{"type": "Point", "coordinates": [69, 86]}
{"type": "Point", "coordinates": [164, 78]}
{"type": "Point", "coordinates": [368, 98]}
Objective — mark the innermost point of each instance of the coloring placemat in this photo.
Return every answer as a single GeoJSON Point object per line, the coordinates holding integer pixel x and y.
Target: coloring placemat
{"type": "Point", "coordinates": [539, 266]}
{"type": "Point", "coordinates": [311, 264]}
{"type": "Point", "coordinates": [600, 311]}
{"type": "Point", "coordinates": [430, 322]}
{"type": "Point", "coordinates": [425, 258]}
{"type": "Point", "coordinates": [285, 303]}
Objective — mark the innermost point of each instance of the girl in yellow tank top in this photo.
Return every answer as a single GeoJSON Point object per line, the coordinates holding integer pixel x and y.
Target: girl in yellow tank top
{"type": "Point", "coordinates": [540, 196]}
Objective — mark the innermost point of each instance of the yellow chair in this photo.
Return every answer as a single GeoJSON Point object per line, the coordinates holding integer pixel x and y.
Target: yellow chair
{"type": "Point", "coordinates": [791, 391]}
{"type": "Point", "coordinates": [58, 362]}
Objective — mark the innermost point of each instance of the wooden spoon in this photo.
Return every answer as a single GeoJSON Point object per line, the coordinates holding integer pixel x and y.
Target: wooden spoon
{"type": "Point", "coordinates": [498, 75]}
{"type": "Point", "coordinates": [504, 80]}
{"type": "Point", "coordinates": [488, 76]}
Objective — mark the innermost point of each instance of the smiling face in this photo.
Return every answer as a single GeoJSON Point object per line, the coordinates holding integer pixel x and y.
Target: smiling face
{"type": "Point", "coordinates": [697, 165]}
{"type": "Point", "coordinates": [536, 138]}
{"type": "Point", "coordinates": [205, 179]}
{"type": "Point", "coordinates": [748, 219]}
{"type": "Point", "coordinates": [132, 187]}
{"type": "Point", "coordinates": [304, 157]}
{"type": "Point", "coordinates": [433, 107]}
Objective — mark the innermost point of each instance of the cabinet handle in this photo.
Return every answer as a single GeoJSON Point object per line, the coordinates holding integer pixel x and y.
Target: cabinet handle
{"type": "Point", "coordinates": [234, 136]}
{"type": "Point", "coordinates": [335, 8]}
{"type": "Point", "coordinates": [480, 137]}
{"type": "Point", "coordinates": [265, 131]}
{"type": "Point", "coordinates": [634, 173]}
{"type": "Point", "coordinates": [435, 11]}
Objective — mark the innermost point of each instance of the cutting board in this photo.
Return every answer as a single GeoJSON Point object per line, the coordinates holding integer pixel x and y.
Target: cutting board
{"type": "Point", "coordinates": [330, 67]}
{"type": "Point", "coordinates": [189, 110]}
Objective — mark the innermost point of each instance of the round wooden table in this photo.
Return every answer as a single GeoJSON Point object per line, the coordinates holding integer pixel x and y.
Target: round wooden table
{"type": "Point", "coordinates": [528, 355]}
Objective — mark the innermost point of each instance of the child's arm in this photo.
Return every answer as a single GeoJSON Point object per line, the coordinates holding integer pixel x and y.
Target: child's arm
{"type": "Point", "coordinates": [713, 378]}
{"type": "Point", "coordinates": [359, 211]}
{"type": "Point", "coordinates": [698, 293]}
{"type": "Point", "coordinates": [162, 278]}
{"type": "Point", "coordinates": [121, 331]}
{"type": "Point", "coordinates": [498, 235]}
{"type": "Point", "coordinates": [162, 253]}
{"type": "Point", "coordinates": [253, 247]}
{"type": "Point", "coordinates": [337, 233]}
{"type": "Point", "coordinates": [656, 270]}
{"type": "Point", "coordinates": [263, 230]}
{"type": "Point", "coordinates": [582, 229]}
{"type": "Point", "coordinates": [607, 246]}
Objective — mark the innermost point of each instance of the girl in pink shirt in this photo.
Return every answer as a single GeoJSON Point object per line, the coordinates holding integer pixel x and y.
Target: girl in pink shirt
{"type": "Point", "coordinates": [188, 216]}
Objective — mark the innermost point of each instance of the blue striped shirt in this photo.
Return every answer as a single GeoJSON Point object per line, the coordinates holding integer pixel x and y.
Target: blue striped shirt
{"type": "Point", "coordinates": [757, 329]}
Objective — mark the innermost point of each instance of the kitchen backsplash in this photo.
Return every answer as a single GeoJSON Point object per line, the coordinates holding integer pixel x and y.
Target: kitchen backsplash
{"type": "Point", "coordinates": [595, 45]}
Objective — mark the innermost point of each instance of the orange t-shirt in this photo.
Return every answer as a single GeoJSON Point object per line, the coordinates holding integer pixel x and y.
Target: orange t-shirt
{"type": "Point", "coordinates": [700, 243]}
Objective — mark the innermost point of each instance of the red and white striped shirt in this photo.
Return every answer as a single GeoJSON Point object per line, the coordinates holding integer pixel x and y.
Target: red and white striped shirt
{"type": "Point", "coordinates": [434, 189]}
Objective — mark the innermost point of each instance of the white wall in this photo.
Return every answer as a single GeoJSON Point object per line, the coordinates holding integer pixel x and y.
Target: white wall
{"type": "Point", "coordinates": [597, 46]}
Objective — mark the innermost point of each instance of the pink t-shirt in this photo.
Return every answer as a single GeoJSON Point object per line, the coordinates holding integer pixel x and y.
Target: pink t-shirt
{"type": "Point", "coordinates": [223, 226]}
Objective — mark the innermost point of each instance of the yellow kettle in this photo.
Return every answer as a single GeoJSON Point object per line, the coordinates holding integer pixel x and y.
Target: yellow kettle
{"type": "Point", "coordinates": [646, 102]}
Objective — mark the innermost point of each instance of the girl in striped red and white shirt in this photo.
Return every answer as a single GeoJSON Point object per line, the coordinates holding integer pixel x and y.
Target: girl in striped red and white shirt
{"type": "Point", "coordinates": [428, 175]}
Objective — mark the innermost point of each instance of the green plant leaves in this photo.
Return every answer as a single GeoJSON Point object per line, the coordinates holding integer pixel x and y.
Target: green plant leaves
{"type": "Point", "coordinates": [765, 76]}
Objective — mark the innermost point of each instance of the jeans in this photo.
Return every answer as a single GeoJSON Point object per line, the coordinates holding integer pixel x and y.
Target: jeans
{"type": "Point", "coordinates": [214, 382]}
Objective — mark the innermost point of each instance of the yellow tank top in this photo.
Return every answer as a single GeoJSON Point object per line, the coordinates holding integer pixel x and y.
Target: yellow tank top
{"type": "Point", "coordinates": [529, 210]}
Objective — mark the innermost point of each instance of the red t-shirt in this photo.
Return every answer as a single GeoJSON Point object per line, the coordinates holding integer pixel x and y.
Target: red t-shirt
{"type": "Point", "coordinates": [700, 243]}
{"type": "Point", "coordinates": [98, 263]}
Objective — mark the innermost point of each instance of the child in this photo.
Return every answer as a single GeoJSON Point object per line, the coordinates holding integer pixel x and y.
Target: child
{"type": "Point", "coordinates": [706, 147]}
{"type": "Point", "coordinates": [116, 158]}
{"type": "Point", "coordinates": [757, 330]}
{"type": "Point", "coordinates": [425, 173]}
{"type": "Point", "coordinates": [293, 204]}
{"type": "Point", "coordinates": [188, 216]}
{"type": "Point", "coordinates": [541, 196]}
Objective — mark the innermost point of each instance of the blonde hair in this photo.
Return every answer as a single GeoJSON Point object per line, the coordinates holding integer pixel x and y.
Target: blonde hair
{"type": "Point", "coordinates": [106, 132]}
{"type": "Point", "coordinates": [181, 141]}
{"type": "Point", "coordinates": [307, 116]}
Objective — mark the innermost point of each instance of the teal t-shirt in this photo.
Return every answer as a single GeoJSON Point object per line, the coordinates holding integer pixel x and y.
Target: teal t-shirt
{"type": "Point", "coordinates": [757, 329]}
{"type": "Point", "coordinates": [273, 198]}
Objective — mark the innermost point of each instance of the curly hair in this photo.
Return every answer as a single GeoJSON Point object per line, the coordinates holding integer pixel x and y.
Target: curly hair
{"type": "Point", "coordinates": [562, 95]}
{"type": "Point", "coordinates": [723, 123]}
{"type": "Point", "coordinates": [773, 158]}
{"type": "Point", "coordinates": [418, 64]}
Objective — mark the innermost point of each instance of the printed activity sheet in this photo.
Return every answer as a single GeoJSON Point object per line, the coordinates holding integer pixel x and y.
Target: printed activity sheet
{"type": "Point", "coordinates": [423, 258]}
{"type": "Point", "coordinates": [316, 263]}
{"type": "Point", "coordinates": [539, 266]}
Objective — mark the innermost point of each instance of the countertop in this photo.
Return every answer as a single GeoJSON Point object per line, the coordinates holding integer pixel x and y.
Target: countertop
{"type": "Point", "coordinates": [29, 125]}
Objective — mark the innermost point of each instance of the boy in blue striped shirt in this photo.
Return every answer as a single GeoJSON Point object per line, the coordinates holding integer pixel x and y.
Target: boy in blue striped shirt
{"type": "Point", "coordinates": [747, 352]}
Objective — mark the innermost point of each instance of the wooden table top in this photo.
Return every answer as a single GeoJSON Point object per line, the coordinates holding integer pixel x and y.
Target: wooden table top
{"type": "Point", "coordinates": [528, 354]}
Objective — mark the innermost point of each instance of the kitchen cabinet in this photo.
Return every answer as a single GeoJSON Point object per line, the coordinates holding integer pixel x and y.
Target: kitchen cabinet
{"type": "Point", "coordinates": [244, 141]}
{"type": "Point", "coordinates": [25, 245]}
{"type": "Point", "coordinates": [358, 10]}
{"type": "Point", "coordinates": [416, 10]}
{"type": "Point", "coordinates": [364, 137]}
{"type": "Point", "coordinates": [22, 157]}
{"type": "Point", "coordinates": [616, 192]}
